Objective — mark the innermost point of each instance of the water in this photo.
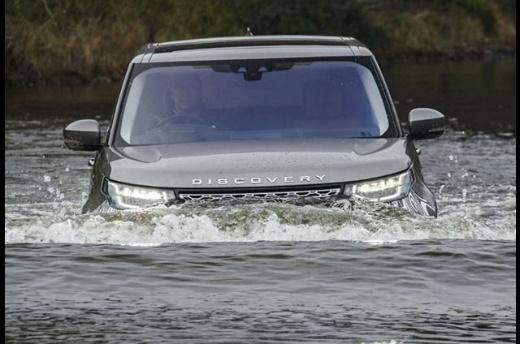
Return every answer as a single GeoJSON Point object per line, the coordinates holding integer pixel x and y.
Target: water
{"type": "Point", "coordinates": [269, 273]}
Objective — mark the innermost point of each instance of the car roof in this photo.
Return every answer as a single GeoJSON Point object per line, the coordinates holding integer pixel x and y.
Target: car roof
{"type": "Point", "coordinates": [247, 47]}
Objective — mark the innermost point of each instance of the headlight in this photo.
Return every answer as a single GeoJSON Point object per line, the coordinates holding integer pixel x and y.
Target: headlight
{"type": "Point", "coordinates": [122, 196]}
{"type": "Point", "coordinates": [383, 189]}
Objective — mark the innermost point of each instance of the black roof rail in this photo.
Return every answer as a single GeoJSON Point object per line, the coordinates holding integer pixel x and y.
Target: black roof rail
{"type": "Point", "coordinates": [241, 41]}
{"type": "Point", "coordinates": [147, 48]}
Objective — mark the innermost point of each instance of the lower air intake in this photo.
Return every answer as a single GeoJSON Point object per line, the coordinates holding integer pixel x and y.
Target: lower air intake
{"type": "Point", "coordinates": [318, 193]}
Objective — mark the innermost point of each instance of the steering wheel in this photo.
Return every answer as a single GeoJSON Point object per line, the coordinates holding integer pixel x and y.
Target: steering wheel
{"type": "Point", "coordinates": [185, 119]}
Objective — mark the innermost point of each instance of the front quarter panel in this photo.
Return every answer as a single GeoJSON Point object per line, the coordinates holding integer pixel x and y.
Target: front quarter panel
{"type": "Point", "coordinates": [421, 199]}
{"type": "Point", "coordinates": [100, 169]}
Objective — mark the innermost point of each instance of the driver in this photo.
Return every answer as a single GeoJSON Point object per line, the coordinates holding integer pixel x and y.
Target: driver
{"type": "Point", "coordinates": [185, 100]}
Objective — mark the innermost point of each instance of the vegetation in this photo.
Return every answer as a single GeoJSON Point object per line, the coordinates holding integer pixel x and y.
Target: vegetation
{"type": "Point", "coordinates": [89, 39]}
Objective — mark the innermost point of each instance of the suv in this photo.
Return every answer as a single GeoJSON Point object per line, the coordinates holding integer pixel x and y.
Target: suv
{"type": "Point", "coordinates": [256, 118]}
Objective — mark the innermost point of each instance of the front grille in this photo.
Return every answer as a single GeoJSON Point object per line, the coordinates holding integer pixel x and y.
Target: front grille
{"type": "Point", "coordinates": [255, 195]}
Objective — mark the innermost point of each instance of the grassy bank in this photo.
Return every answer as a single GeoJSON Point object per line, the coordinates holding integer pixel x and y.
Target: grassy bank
{"type": "Point", "coordinates": [81, 41]}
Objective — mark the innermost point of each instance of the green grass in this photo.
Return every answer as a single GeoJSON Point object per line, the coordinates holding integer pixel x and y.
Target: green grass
{"type": "Point", "coordinates": [89, 38]}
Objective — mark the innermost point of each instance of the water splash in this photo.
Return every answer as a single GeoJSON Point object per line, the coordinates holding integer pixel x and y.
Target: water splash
{"type": "Point", "coordinates": [263, 222]}
{"type": "Point", "coordinates": [46, 186]}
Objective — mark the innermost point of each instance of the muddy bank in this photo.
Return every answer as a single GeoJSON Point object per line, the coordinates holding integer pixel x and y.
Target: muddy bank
{"type": "Point", "coordinates": [76, 79]}
{"type": "Point", "coordinates": [69, 43]}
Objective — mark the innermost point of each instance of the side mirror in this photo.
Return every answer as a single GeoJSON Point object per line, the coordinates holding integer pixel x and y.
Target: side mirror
{"type": "Point", "coordinates": [83, 135]}
{"type": "Point", "coordinates": [425, 123]}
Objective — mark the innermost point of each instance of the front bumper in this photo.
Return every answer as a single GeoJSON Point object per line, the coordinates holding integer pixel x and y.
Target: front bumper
{"type": "Point", "coordinates": [418, 201]}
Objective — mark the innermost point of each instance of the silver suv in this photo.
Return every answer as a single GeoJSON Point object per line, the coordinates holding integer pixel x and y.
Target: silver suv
{"type": "Point", "coordinates": [256, 119]}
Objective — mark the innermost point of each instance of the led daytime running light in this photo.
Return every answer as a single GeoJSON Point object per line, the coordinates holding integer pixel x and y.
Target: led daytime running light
{"type": "Point", "coordinates": [124, 196]}
{"type": "Point", "coordinates": [384, 189]}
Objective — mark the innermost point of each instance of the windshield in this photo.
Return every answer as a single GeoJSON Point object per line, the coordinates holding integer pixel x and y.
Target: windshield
{"type": "Point", "coordinates": [252, 101]}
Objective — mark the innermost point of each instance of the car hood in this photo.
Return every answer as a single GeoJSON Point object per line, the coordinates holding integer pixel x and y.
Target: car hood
{"type": "Point", "coordinates": [257, 163]}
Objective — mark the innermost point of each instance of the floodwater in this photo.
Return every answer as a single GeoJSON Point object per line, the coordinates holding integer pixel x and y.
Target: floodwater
{"type": "Point", "coordinates": [268, 273]}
